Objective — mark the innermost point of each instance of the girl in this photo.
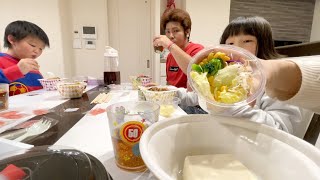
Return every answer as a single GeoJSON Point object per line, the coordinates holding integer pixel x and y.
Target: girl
{"type": "Point", "coordinates": [255, 35]}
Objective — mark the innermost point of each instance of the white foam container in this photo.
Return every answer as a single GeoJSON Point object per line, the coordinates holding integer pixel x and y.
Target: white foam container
{"type": "Point", "coordinates": [267, 152]}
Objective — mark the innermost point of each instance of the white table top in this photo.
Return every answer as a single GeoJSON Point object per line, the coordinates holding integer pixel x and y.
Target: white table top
{"type": "Point", "coordinates": [26, 103]}
{"type": "Point", "coordinates": [91, 134]}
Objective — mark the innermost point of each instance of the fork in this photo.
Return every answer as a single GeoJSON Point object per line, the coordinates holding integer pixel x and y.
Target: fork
{"type": "Point", "coordinates": [37, 128]}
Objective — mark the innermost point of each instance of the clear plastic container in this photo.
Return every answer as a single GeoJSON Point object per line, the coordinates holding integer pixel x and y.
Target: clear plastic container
{"type": "Point", "coordinates": [139, 81]}
{"type": "Point", "coordinates": [71, 89]}
{"type": "Point", "coordinates": [4, 96]}
{"type": "Point", "coordinates": [167, 108]}
{"type": "Point", "coordinates": [111, 66]}
{"type": "Point", "coordinates": [127, 122]}
{"type": "Point", "coordinates": [52, 162]}
{"type": "Point", "coordinates": [238, 56]}
{"type": "Point", "coordinates": [50, 84]}
{"type": "Point", "coordinates": [160, 94]}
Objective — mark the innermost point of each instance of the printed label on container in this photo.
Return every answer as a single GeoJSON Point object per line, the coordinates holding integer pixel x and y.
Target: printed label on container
{"type": "Point", "coordinates": [130, 132]}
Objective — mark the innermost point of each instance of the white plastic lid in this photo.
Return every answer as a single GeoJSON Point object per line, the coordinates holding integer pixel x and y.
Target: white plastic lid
{"type": "Point", "coordinates": [111, 52]}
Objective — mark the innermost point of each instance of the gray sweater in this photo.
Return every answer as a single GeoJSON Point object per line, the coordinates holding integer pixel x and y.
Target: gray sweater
{"type": "Point", "coordinates": [266, 110]}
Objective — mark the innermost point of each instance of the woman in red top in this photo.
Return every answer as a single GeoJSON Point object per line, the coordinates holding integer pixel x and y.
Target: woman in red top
{"type": "Point", "coordinates": [177, 26]}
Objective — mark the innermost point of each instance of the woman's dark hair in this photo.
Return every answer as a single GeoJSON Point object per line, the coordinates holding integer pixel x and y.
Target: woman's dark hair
{"type": "Point", "coordinates": [21, 29]}
{"type": "Point", "coordinates": [255, 26]}
{"type": "Point", "coordinates": [176, 15]}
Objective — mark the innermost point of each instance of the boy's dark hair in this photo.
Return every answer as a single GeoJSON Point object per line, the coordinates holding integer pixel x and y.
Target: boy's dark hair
{"type": "Point", "coordinates": [176, 15]}
{"type": "Point", "coordinates": [255, 26]}
{"type": "Point", "coordinates": [21, 29]}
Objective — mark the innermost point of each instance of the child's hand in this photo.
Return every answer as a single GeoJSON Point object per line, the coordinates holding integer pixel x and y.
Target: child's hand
{"type": "Point", "coordinates": [27, 65]}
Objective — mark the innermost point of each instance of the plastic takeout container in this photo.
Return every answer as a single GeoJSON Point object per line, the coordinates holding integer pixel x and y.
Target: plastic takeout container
{"type": "Point", "coordinates": [168, 107]}
{"type": "Point", "coordinates": [160, 94]}
{"type": "Point", "coordinates": [4, 96]}
{"type": "Point", "coordinates": [251, 63]}
{"type": "Point", "coordinates": [53, 162]}
{"type": "Point", "coordinates": [71, 89]}
{"type": "Point", "coordinates": [139, 81]}
{"type": "Point", "coordinates": [50, 84]}
{"type": "Point", "coordinates": [267, 152]}
{"type": "Point", "coordinates": [127, 122]}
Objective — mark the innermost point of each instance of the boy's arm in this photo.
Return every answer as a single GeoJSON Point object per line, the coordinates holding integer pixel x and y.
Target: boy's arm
{"type": "Point", "coordinates": [18, 71]}
{"type": "Point", "coordinates": [10, 74]}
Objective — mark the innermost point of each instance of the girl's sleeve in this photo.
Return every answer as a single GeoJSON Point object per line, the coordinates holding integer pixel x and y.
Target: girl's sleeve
{"type": "Point", "coordinates": [271, 112]}
{"type": "Point", "coordinates": [308, 96]}
{"type": "Point", "coordinates": [187, 98]}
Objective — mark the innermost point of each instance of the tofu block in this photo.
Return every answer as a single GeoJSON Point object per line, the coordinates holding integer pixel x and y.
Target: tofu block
{"type": "Point", "coordinates": [217, 167]}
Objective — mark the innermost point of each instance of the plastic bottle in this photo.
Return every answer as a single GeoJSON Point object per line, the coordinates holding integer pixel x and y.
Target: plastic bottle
{"type": "Point", "coordinates": [111, 66]}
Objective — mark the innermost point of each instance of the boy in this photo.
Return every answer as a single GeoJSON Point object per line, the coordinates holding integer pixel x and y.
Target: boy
{"type": "Point", "coordinates": [18, 67]}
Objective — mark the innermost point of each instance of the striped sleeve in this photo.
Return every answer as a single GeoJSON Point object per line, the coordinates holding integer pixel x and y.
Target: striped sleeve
{"type": "Point", "coordinates": [13, 73]}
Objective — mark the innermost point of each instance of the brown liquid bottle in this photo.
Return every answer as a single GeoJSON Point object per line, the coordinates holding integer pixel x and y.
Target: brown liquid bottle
{"type": "Point", "coordinates": [111, 77]}
{"type": "Point", "coordinates": [111, 73]}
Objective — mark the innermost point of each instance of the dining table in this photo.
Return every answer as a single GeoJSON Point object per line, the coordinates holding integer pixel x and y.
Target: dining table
{"type": "Point", "coordinates": [75, 126]}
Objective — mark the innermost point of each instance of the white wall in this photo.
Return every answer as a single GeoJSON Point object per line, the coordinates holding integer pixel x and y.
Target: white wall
{"type": "Point", "coordinates": [180, 4]}
{"type": "Point", "coordinates": [66, 44]}
{"type": "Point", "coordinates": [315, 31]}
{"type": "Point", "coordinates": [59, 18]}
{"type": "Point", "coordinates": [157, 9]}
{"type": "Point", "coordinates": [46, 16]}
{"type": "Point", "coordinates": [209, 18]}
{"type": "Point", "coordinates": [90, 13]}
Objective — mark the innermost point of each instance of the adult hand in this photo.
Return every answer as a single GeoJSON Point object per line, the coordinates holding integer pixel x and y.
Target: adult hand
{"type": "Point", "coordinates": [27, 65]}
{"type": "Point", "coordinates": [161, 40]}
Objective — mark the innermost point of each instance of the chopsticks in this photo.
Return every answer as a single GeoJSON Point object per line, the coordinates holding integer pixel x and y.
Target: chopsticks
{"type": "Point", "coordinates": [102, 98]}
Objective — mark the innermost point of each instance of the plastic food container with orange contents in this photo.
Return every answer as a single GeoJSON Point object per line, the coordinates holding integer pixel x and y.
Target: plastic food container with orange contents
{"type": "Point", "coordinates": [4, 96]}
{"type": "Point", "coordinates": [127, 122]}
